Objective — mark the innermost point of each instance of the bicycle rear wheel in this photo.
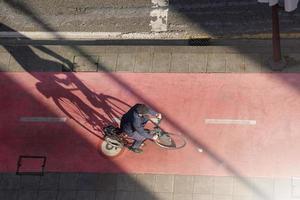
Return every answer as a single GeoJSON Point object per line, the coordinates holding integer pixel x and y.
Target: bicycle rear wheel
{"type": "Point", "coordinates": [171, 141]}
{"type": "Point", "coordinates": [111, 148]}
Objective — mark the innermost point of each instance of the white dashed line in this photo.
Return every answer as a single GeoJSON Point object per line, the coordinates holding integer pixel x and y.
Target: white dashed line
{"type": "Point", "coordinates": [230, 121]}
{"type": "Point", "coordinates": [43, 119]}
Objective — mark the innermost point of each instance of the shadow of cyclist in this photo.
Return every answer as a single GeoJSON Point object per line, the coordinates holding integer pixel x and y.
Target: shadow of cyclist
{"type": "Point", "coordinates": [66, 89]}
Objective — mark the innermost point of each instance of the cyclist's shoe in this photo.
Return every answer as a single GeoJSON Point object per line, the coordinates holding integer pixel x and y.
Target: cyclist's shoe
{"type": "Point", "coordinates": [135, 150]}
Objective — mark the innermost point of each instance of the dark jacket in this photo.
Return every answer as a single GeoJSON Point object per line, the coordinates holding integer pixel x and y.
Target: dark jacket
{"type": "Point", "coordinates": [131, 122]}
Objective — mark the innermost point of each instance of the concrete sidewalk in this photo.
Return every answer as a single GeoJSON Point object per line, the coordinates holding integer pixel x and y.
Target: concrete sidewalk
{"type": "Point", "coordinates": [94, 186]}
{"type": "Point", "coordinates": [238, 56]}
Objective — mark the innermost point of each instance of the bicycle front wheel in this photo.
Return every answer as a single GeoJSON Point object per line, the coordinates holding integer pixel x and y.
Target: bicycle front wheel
{"type": "Point", "coordinates": [171, 141]}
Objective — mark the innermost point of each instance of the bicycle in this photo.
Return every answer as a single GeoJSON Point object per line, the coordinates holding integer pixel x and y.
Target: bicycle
{"type": "Point", "coordinates": [115, 141]}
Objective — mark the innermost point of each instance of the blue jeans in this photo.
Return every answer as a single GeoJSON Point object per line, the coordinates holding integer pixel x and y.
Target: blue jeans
{"type": "Point", "coordinates": [138, 139]}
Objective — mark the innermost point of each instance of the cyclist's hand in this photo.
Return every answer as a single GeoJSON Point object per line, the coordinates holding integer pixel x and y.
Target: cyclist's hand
{"type": "Point", "coordinates": [155, 137]}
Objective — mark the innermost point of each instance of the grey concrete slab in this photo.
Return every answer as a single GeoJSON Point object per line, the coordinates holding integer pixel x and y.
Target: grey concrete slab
{"type": "Point", "coordinates": [144, 195]}
{"type": "Point", "coordinates": [237, 197]}
{"type": "Point", "coordinates": [10, 181]}
{"type": "Point", "coordinates": [125, 62]}
{"type": "Point", "coordinates": [66, 195]}
{"type": "Point", "coordinates": [9, 194]}
{"type": "Point", "coordinates": [283, 188]}
{"type": "Point", "coordinates": [180, 62]}
{"type": "Point", "coordinates": [107, 182]}
{"type": "Point", "coordinates": [86, 195]}
{"type": "Point", "coordinates": [124, 195]}
{"type": "Point", "coordinates": [85, 64]}
{"type": "Point", "coordinates": [120, 49]}
{"type": "Point", "coordinates": [198, 63]}
{"type": "Point", "coordinates": [107, 62]}
{"type": "Point", "coordinates": [145, 182]}
{"type": "Point", "coordinates": [2, 49]}
{"type": "Point", "coordinates": [30, 182]}
{"type": "Point", "coordinates": [143, 62]}
{"type": "Point", "coordinates": [295, 187]}
{"type": "Point", "coordinates": [264, 188]}
{"type": "Point", "coordinates": [104, 195]}
{"type": "Point", "coordinates": [243, 186]}
{"type": "Point", "coordinates": [161, 62]}
{"type": "Point", "coordinates": [253, 63]}
{"type": "Point", "coordinates": [163, 196]}
{"type": "Point", "coordinates": [293, 58]}
{"type": "Point", "coordinates": [164, 183]}
{"type": "Point", "coordinates": [222, 197]}
{"type": "Point", "coordinates": [187, 196]}
{"type": "Point", "coordinates": [183, 184]}
{"type": "Point", "coordinates": [126, 182]}
{"type": "Point", "coordinates": [90, 49]}
{"type": "Point", "coordinates": [293, 69]}
{"type": "Point", "coordinates": [203, 184]}
{"type": "Point", "coordinates": [50, 181]}
{"type": "Point", "coordinates": [47, 195]}
{"type": "Point", "coordinates": [15, 66]}
{"type": "Point", "coordinates": [293, 63]}
{"type": "Point", "coordinates": [25, 58]}
{"type": "Point", "coordinates": [68, 181]}
{"type": "Point", "coordinates": [235, 63]}
{"type": "Point", "coordinates": [166, 49]}
{"type": "Point", "coordinates": [47, 59]}
{"type": "Point", "coordinates": [265, 63]}
{"type": "Point", "coordinates": [223, 185]}
{"type": "Point", "coordinates": [28, 194]}
{"type": "Point", "coordinates": [202, 196]}
{"type": "Point", "coordinates": [4, 61]}
{"type": "Point", "coordinates": [216, 63]}
{"type": "Point", "coordinates": [87, 181]}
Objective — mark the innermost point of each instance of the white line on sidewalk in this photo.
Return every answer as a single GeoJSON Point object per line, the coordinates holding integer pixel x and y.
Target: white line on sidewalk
{"type": "Point", "coordinates": [95, 35]}
{"type": "Point", "coordinates": [230, 121]}
{"type": "Point", "coordinates": [43, 119]}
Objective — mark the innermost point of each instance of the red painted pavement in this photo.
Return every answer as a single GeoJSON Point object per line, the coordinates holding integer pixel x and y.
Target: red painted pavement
{"type": "Point", "coordinates": [91, 100]}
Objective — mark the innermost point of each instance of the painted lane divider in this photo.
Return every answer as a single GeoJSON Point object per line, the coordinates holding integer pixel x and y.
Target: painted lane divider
{"type": "Point", "coordinates": [230, 121]}
{"type": "Point", "coordinates": [43, 119]}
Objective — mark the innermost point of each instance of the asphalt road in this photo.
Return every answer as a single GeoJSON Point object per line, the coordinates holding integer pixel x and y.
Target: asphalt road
{"type": "Point", "coordinates": [205, 17]}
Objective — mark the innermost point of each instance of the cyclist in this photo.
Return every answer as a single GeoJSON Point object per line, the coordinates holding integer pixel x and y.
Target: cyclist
{"type": "Point", "coordinates": [133, 123]}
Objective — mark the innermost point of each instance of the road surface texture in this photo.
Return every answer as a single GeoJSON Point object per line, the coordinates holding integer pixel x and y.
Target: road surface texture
{"type": "Point", "coordinates": [214, 18]}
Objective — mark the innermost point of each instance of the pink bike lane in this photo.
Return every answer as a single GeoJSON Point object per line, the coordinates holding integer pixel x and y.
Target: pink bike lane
{"type": "Point", "coordinates": [234, 124]}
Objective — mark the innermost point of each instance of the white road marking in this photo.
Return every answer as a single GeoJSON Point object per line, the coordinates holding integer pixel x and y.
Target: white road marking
{"type": "Point", "coordinates": [159, 15]}
{"type": "Point", "coordinates": [94, 35]}
{"type": "Point", "coordinates": [159, 3]}
{"type": "Point", "coordinates": [43, 119]}
{"type": "Point", "coordinates": [230, 121]}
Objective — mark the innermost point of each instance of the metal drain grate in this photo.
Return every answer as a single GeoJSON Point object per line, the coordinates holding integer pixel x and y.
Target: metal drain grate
{"type": "Point", "coordinates": [199, 41]}
{"type": "Point", "coordinates": [31, 165]}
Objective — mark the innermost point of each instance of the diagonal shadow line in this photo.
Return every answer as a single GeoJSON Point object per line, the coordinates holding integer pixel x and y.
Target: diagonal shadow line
{"type": "Point", "coordinates": [19, 6]}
